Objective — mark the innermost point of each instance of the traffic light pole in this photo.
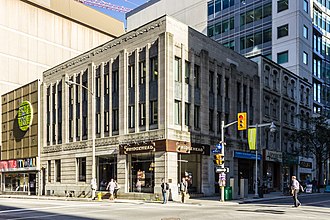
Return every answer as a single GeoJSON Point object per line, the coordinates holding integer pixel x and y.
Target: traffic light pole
{"type": "Point", "coordinates": [223, 126]}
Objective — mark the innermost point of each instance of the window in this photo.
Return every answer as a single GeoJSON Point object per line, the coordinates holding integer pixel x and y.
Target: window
{"type": "Point", "coordinates": [186, 114]}
{"type": "Point", "coordinates": [131, 118]}
{"type": "Point", "coordinates": [187, 72]}
{"type": "Point", "coordinates": [305, 58]}
{"type": "Point", "coordinates": [196, 117]}
{"type": "Point", "coordinates": [305, 32]}
{"type": "Point", "coordinates": [106, 121]}
{"type": "Point", "coordinates": [305, 6]}
{"type": "Point", "coordinates": [131, 76]}
{"type": "Point", "coordinates": [153, 112]}
{"type": "Point", "coordinates": [218, 84]}
{"type": "Point", "coordinates": [115, 81]}
{"type": "Point", "coordinates": [282, 5]}
{"type": "Point", "coordinates": [115, 120]}
{"type": "Point", "coordinates": [283, 57]}
{"type": "Point", "coordinates": [196, 76]}
{"type": "Point", "coordinates": [154, 68]}
{"type": "Point", "coordinates": [177, 69]}
{"type": "Point", "coordinates": [48, 115]}
{"type": "Point", "coordinates": [177, 112]}
{"type": "Point", "coordinates": [49, 170]}
{"type": "Point", "coordinates": [81, 168]}
{"type": "Point", "coordinates": [283, 31]}
{"type": "Point", "coordinates": [142, 72]}
{"type": "Point", "coordinates": [211, 127]}
{"type": "Point", "coordinates": [142, 114]}
{"type": "Point", "coordinates": [211, 75]}
{"type": "Point", "coordinates": [57, 170]}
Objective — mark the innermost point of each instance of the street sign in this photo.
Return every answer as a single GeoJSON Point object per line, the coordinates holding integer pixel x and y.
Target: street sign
{"type": "Point", "coordinates": [219, 146]}
{"type": "Point", "coordinates": [221, 170]}
{"type": "Point", "coordinates": [216, 151]}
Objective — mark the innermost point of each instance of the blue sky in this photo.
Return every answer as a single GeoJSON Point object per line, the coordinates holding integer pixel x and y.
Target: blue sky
{"type": "Point", "coordinates": [126, 3]}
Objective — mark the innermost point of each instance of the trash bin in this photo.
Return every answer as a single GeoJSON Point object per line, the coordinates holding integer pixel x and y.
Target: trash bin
{"type": "Point", "coordinates": [261, 192]}
{"type": "Point", "coordinates": [228, 193]}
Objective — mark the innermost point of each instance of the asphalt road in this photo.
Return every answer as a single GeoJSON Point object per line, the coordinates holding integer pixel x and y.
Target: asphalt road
{"type": "Point", "coordinates": [313, 207]}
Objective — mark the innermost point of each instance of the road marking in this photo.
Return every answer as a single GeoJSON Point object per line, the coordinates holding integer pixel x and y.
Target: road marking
{"type": "Point", "coordinates": [43, 208]}
{"type": "Point", "coordinates": [59, 214]}
{"type": "Point", "coordinates": [323, 201]}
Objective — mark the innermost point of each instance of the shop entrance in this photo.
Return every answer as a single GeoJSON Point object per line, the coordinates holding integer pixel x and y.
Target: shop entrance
{"type": "Point", "coordinates": [245, 171]}
{"type": "Point", "coordinates": [142, 176]}
{"type": "Point", "coordinates": [32, 183]}
{"type": "Point", "coordinates": [107, 170]}
{"type": "Point", "coordinates": [189, 166]}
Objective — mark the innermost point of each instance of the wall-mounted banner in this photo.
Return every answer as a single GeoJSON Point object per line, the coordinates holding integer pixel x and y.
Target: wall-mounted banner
{"type": "Point", "coordinates": [252, 137]}
{"type": "Point", "coordinates": [25, 115]}
{"type": "Point", "coordinates": [18, 165]}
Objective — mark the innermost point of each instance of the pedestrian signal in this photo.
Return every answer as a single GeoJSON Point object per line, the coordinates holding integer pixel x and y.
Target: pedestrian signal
{"type": "Point", "coordinates": [241, 121]}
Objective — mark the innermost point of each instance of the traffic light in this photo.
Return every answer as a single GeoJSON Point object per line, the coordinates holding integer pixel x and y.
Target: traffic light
{"type": "Point", "coordinates": [241, 121]}
{"type": "Point", "coordinates": [218, 159]}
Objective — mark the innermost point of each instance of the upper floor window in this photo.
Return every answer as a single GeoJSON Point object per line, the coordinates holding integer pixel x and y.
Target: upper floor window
{"type": "Point", "coordinates": [196, 76]}
{"type": "Point", "coordinates": [306, 6]}
{"type": "Point", "coordinates": [305, 32]}
{"type": "Point", "coordinates": [283, 57]}
{"type": "Point", "coordinates": [187, 72]}
{"type": "Point", "coordinates": [177, 112]}
{"type": "Point", "coordinates": [305, 58]}
{"type": "Point", "coordinates": [282, 5]}
{"type": "Point", "coordinates": [154, 68]}
{"type": "Point", "coordinates": [283, 31]}
{"type": "Point", "coordinates": [142, 72]}
{"type": "Point", "coordinates": [177, 69]}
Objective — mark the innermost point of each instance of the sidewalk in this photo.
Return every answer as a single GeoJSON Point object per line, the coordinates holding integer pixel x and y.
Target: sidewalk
{"type": "Point", "coordinates": [215, 200]}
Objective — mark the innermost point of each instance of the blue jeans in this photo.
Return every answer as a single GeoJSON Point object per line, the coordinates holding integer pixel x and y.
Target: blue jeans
{"type": "Point", "coordinates": [164, 197]}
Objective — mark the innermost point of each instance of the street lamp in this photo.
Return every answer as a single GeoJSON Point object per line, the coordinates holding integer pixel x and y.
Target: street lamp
{"type": "Point", "coordinates": [272, 128]}
{"type": "Point", "coordinates": [93, 181]}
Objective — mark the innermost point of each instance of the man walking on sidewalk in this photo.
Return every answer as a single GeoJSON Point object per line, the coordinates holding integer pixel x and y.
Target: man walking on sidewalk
{"type": "Point", "coordinates": [295, 189]}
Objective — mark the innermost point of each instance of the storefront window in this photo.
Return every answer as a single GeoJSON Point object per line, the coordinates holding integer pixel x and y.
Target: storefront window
{"type": "Point", "coordinates": [189, 166]}
{"type": "Point", "coordinates": [107, 170]}
{"type": "Point", "coordinates": [142, 177]}
{"type": "Point", "coordinates": [16, 182]}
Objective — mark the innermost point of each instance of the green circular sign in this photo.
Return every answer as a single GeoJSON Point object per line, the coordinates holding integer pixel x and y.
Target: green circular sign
{"type": "Point", "coordinates": [25, 115]}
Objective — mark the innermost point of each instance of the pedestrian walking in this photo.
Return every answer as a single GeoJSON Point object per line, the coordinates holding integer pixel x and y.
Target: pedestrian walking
{"type": "Point", "coordinates": [295, 187]}
{"type": "Point", "coordinates": [183, 189]}
{"type": "Point", "coordinates": [314, 185]}
{"type": "Point", "coordinates": [115, 192]}
{"type": "Point", "coordinates": [111, 187]}
{"type": "Point", "coordinates": [139, 185]}
{"type": "Point", "coordinates": [165, 187]}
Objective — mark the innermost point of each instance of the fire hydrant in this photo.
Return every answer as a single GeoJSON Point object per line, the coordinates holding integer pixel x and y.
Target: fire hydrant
{"type": "Point", "coordinates": [99, 196]}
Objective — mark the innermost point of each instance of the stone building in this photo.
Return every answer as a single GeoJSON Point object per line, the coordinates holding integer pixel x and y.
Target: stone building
{"type": "Point", "coordinates": [160, 93]}
{"type": "Point", "coordinates": [283, 97]}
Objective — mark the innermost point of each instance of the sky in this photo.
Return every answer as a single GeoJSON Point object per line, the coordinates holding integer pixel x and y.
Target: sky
{"type": "Point", "coordinates": [125, 3]}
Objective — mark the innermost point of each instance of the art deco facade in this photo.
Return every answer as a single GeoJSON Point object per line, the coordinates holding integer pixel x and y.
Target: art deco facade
{"type": "Point", "coordinates": [161, 92]}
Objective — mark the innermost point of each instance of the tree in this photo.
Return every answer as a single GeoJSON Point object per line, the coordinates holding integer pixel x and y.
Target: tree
{"type": "Point", "coordinates": [314, 138]}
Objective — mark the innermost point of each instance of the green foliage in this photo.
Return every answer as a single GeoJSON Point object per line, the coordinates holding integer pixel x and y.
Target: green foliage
{"type": "Point", "coordinates": [314, 137]}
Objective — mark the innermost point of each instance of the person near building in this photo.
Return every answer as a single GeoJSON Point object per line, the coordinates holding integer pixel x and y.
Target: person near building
{"type": "Point", "coordinates": [139, 186]}
{"type": "Point", "coordinates": [111, 187]}
{"type": "Point", "coordinates": [165, 187]}
{"type": "Point", "coordinates": [183, 189]}
{"type": "Point", "coordinates": [295, 187]}
{"type": "Point", "coordinates": [314, 185]}
{"type": "Point", "coordinates": [116, 189]}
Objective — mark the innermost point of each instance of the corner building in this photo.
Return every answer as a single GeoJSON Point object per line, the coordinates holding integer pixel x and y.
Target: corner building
{"type": "Point", "coordinates": [161, 92]}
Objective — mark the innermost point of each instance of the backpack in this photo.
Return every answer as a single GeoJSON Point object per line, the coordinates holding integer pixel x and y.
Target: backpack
{"type": "Point", "coordinates": [167, 187]}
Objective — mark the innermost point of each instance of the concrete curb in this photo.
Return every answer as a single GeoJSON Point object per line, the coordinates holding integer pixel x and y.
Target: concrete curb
{"type": "Point", "coordinates": [274, 198]}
